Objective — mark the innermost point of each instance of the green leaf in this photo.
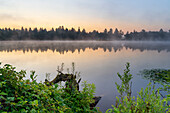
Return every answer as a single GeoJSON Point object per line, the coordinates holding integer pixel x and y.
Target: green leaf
{"type": "Point", "coordinates": [56, 85]}
{"type": "Point", "coordinates": [35, 102]}
{"type": "Point", "coordinates": [33, 111]}
{"type": "Point", "coordinates": [11, 98]}
{"type": "Point", "coordinates": [1, 97]}
{"type": "Point", "coordinates": [3, 93]}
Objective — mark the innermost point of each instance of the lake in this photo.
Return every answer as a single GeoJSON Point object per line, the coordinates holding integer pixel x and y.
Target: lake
{"type": "Point", "coordinates": [97, 61]}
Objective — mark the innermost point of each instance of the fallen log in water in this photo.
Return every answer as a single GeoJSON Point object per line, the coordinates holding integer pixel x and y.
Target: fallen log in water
{"type": "Point", "coordinates": [72, 82]}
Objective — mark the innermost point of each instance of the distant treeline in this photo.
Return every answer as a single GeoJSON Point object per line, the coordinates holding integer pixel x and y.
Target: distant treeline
{"type": "Point", "coordinates": [62, 33]}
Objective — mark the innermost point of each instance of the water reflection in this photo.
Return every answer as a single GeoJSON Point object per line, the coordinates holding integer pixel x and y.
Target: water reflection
{"type": "Point", "coordinates": [98, 62]}
{"type": "Point", "coordinates": [65, 46]}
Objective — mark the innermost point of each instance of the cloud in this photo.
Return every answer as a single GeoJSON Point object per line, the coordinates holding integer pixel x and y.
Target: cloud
{"type": "Point", "coordinates": [7, 17]}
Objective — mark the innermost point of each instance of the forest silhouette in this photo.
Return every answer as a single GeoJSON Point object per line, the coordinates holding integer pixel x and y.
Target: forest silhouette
{"type": "Point", "coordinates": [62, 33]}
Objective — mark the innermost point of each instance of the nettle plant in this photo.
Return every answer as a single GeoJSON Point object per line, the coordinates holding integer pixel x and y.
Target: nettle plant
{"type": "Point", "coordinates": [20, 95]}
{"type": "Point", "coordinates": [147, 101]}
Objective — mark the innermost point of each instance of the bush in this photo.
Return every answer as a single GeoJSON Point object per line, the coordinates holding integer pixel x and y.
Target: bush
{"type": "Point", "coordinates": [147, 101]}
{"type": "Point", "coordinates": [19, 95]}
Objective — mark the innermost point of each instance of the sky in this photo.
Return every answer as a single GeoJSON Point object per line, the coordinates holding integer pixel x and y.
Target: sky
{"type": "Point", "coordinates": [127, 15]}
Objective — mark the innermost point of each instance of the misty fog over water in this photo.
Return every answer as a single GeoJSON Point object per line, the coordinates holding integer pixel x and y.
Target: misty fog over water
{"type": "Point", "coordinates": [97, 61]}
{"type": "Point", "coordinates": [65, 46]}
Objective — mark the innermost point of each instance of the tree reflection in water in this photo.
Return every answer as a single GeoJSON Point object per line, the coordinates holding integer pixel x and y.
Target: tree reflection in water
{"type": "Point", "coordinates": [65, 46]}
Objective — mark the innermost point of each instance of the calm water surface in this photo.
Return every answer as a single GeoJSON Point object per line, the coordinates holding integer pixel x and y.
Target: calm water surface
{"type": "Point", "coordinates": [98, 62]}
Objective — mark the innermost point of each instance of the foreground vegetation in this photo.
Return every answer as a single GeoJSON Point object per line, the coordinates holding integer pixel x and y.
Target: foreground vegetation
{"type": "Point", "coordinates": [20, 95]}
{"type": "Point", "coordinates": [147, 101]}
{"type": "Point", "coordinates": [23, 95]}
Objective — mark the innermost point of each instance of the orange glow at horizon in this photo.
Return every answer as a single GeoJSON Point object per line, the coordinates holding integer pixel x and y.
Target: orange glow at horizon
{"type": "Point", "coordinates": [88, 26]}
